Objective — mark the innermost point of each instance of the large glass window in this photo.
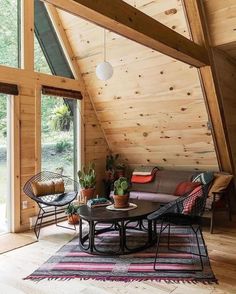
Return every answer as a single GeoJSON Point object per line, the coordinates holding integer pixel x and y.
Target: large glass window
{"type": "Point", "coordinates": [9, 32]}
{"type": "Point", "coordinates": [58, 135]}
{"type": "Point", "coordinates": [40, 62]}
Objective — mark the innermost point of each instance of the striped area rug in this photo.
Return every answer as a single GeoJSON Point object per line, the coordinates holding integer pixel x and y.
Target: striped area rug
{"type": "Point", "coordinates": [71, 262]}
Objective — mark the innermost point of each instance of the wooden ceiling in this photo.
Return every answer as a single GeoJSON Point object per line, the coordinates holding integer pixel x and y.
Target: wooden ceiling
{"type": "Point", "coordinates": [152, 110]}
{"type": "Point", "coordinates": [221, 16]}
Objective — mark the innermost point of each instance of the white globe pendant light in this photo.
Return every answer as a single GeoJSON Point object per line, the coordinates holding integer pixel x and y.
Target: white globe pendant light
{"type": "Point", "coordinates": [104, 70]}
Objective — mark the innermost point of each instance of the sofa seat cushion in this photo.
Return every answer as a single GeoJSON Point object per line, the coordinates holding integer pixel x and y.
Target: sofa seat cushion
{"type": "Point", "coordinates": [168, 180]}
{"type": "Point", "coordinates": [154, 197]}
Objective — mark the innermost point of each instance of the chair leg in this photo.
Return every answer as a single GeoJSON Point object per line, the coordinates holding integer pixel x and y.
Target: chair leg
{"type": "Point", "coordinates": [229, 206]}
{"type": "Point", "coordinates": [157, 249]}
{"type": "Point", "coordinates": [64, 227]}
{"type": "Point", "coordinates": [168, 237]}
{"type": "Point", "coordinates": [38, 223]}
{"type": "Point", "coordinates": [212, 220]}
{"type": "Point", "coordinates": [158, 243]}
{"type": "Point", "coordinates": [198, 245]}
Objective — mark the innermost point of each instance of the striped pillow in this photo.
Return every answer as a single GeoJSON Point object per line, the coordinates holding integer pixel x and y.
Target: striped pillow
{"type": "Point", "coordinates": [191, 201]}
{"type": "Point", "coordinates": [204, 178]}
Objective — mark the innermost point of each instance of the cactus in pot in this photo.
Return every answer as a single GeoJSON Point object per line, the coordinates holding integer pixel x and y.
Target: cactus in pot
{"type": "Point", "coordinates": [87, 180]}
{"type": "Point", "coordinates": [121, 195]}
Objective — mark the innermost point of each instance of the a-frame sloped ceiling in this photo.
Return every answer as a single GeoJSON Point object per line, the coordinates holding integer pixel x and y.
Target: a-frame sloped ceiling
{"type": "Point", "coordinates": [152, 110]}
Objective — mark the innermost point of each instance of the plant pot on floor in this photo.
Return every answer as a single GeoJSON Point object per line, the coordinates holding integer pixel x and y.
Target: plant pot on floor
{"type": "Point", "coordinates": [87, 194]}
{"type": "Point", "coordinates": [73, 219]}
{"type": "Point", "coordinates": [121, 201]}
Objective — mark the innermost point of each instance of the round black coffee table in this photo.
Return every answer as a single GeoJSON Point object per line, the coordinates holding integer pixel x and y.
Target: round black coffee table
{"type": "Point", "coordinates": [118, 221]}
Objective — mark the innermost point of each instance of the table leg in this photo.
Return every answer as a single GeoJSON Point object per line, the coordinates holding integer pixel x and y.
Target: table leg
{"type": "Point", "coordinates": [80, 232]}
{"type": "Point", "coordinates": [150, 231]}
{"type": "Point", "coordinates": [122, 237]}
{"type": "Point", "coordinates": [91, 236]}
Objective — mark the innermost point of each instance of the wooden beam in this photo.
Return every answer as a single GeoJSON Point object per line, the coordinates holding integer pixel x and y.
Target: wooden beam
{"type": "Point", "coordinates": [125, 20]}
{"type": "Point", "coordinates": [198, 27]}
{"type": "Point", "coordinates": [27, 35]}
{"type": "Point", "coordinates": [25, 77]}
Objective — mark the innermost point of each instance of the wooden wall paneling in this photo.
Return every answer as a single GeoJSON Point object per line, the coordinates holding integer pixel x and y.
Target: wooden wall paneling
{"type": "Point", "coordinates": [197, 24]}
{"type": "Point", "coordinates": [149, 96]}
{"type": "Point", "coordinates": [27, 150]}
{"type": "Point", "coordinates": [221, 18]}
{"type": "Point", "coordinates": [98, 152]}
{"type": "Point", "coordinates": [226, 77]}
{"type": "Point", "coordinates": [126, 20]}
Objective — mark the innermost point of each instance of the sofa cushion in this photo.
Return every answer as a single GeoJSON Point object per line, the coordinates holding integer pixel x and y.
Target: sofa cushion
{"type": "Point", "coordinates": [191, 201]}
{"type": "Point", "coordinates": [168, 180]}
{"type": "Point", "coordinates": [154, 197]}
{"type": "Point", "coordinates": [220, 183]}
{"type": "Point", "coordinates": [147, 187]}
{"type": "Point", "coordinates": [185, 187]}
{"type": "Point", "coordinates": [204, 178]}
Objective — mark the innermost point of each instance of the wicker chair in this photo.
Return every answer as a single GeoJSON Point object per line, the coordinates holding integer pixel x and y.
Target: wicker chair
{"type": "Point", "coordinates": [56, 201]}
{"type": "Point", "coordinates": [173, 213]}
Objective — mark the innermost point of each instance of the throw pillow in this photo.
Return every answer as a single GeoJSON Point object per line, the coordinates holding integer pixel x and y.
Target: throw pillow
{"type": "Point", "coordinates": [190, 203]}
{"type": "Point", "coordinates": [185, 187]}
{"type": "Point", "coordinates": [59, 186]}
{"type": "Point", "coordinates": [142, 179]}
{"type": "Point", "coordinates": [43, 188]}
{"type": "Point", "coordinates": [204, 178]}
{"type": "Point", "coordinates": [220, 182]}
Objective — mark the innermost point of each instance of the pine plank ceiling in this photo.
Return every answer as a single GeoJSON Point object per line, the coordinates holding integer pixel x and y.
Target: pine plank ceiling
{"type": "Point", "coordinates": [152, 110]}
{"type": "Point", "coordinates": [221, 16]}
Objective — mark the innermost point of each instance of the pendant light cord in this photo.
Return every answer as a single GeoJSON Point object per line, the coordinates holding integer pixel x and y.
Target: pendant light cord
{"type": "Point", "coordinates": [105, 52]}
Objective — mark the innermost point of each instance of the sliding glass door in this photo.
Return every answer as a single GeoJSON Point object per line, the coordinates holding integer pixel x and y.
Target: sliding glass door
{"type": "Point", "coordinates": [5, 163]}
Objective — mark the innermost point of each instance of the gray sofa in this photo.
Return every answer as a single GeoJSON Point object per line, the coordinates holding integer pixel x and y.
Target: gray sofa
{"type": "Point", "coordinates": [163, 187]}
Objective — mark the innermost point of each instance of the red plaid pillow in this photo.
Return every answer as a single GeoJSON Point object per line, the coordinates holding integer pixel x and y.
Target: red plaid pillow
{"type": "Point", "coordinates": [190, 202]}
{"type": "Point", "coordinates": [185, 187]}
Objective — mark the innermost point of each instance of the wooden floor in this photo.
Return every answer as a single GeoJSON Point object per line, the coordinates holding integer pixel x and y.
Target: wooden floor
{"type": "Point", "coordinates": [19, 263]}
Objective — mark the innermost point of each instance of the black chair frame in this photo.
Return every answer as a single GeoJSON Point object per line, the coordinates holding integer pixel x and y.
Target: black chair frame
{"type": "Point", "coordinates": [171, 214]}
{"type": "Point", "coordinates": [56, 201]}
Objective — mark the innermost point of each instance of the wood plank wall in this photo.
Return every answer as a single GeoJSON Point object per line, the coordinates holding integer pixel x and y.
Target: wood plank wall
{"type": "Point", "coordinates": [221, 17]}
{"type": "Point", "coordinates": [28, 143]}
{"type": "Point", "coordinates": [152, 110]}
{"type": "Point", "coordinates": [96, 147]}
{"type": "Point", "coordinates": [226, 74]}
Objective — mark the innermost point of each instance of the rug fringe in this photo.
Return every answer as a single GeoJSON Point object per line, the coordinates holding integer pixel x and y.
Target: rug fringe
{"type": "Point", "coordinates": [123, 279]}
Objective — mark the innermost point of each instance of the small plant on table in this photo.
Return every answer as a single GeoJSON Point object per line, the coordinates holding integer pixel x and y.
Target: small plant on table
{"type": "Point", "coordinates": [121, 194]}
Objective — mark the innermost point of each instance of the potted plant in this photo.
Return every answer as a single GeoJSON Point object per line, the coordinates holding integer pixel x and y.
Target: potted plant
{"type": "Point", "coordinates": [87, 180]}
{"type": "Point", "coordinates": [120, 170]}
{"type": "Point", "coordinates": [121, 195]}
{"type": "Point", "coordinates": [72, 212]}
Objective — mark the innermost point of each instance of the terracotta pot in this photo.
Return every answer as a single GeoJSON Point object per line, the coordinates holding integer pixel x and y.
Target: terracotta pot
{"type": "Point", "coordinates": [121, 201]}
{"type": "Point", "coordinates": [73, 219]}
{"type": "Point", "coordinates": [87, 194]}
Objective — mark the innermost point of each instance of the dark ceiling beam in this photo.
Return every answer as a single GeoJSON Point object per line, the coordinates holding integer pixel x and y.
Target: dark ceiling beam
{"type": "Point", "coordinates": [125, 20]}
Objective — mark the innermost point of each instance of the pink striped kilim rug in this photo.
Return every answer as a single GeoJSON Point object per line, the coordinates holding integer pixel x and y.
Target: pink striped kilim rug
{"type": "Point", "coordinates": [71, 262]}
